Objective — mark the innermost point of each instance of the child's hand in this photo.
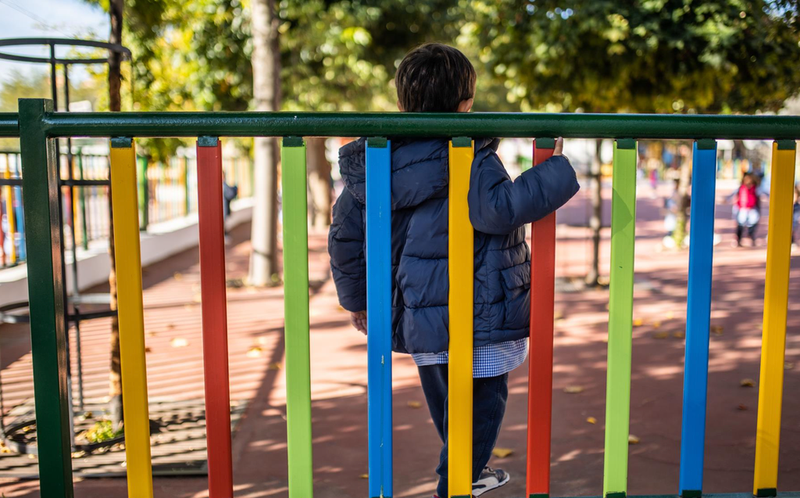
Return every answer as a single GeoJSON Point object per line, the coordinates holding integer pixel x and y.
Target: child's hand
{"type": "Point", "coordinates": [359, 321]}
{"type": "Point", "coordinates": [559, 149]}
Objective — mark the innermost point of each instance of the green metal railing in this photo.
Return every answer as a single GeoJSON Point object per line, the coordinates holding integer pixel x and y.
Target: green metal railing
{"type": "Point", "coordinates": [311, 124]}
{"type": "Point", "coordinates": [37, 126]}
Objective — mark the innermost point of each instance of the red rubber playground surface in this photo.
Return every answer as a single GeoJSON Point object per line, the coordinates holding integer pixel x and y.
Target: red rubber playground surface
{"type": "Point", "coordinates": [255, 319]}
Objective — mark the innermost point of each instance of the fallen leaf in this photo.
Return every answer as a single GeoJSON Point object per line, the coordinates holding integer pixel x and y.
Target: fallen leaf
{"type": "Point", "coordinates": [502, 452]}
{"type": "Point", "coordinates": [177, 276]}
{"type": "Point", "coordinates": [573, 389]}
{"type": "Point", "coordinates": [197, 298]}
{"type": "Point", "coordinates": [604, 339]}
{"type": "Point", "coordinates": [660, 335]}
{"type": "Point", "coordinates": [179, 342]}
{"type": "Point", "coordinates": [414, 404]}
{"type": "Point", "coordinates": [678, 335]}
{"type": "Point", "coordinates": [633, 439]}
{"type": "Point", "coordinates": [275, 366]}
{"type": "Point", "coordinates": [558, 315]}
{"type": "Point", "coordinates": [742, 408]}
{"type": "Point", "coordinates": [716, 329]}
{"type": "Point", "coordinates": [788, 365]}
{"type": "Point", "coordinates": [254, 352]}
{"type": "Point", "coordinates": [364, 476]}
{"type": "Point", "coordinates": [670, 315]}
{"type": "Point", "coordinates": [591, 420]}
{"type": "Point", "coordinates": [170, 326]}
{"type": "Point", "coordinates": [656, 324]}
{"type": "Point", "coordinates": [747, 383]}
{"type": "Point", "coordinates": [148, 350]}
{"type": "Point", "coordinates": [638, 322]}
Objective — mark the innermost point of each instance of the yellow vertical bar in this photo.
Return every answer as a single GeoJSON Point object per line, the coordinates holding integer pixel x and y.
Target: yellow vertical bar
{"type": "Point", "coordinates": [131, 318]}
{"type": "Point", "coordinates": [10, 216]}
{"type": "Point", "coordinates": [460, 264]}
{"type": "Point", "coordinates": [776, 301]}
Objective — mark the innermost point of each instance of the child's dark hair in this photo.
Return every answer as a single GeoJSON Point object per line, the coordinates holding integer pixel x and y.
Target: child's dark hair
{"type": "Point", "coordinates": [434, 78]}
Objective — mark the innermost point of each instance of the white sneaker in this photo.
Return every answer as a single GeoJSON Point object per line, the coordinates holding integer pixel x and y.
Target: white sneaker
{"type": "Point", "coordinates": [490, 479]}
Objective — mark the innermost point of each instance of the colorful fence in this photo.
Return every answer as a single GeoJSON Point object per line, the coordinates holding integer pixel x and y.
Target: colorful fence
{"type": "Point", "coordinates": [38, 125]}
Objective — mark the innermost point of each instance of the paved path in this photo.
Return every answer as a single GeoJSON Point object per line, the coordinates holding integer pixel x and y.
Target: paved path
{"type": "Point", "coordinates": [339, 377]}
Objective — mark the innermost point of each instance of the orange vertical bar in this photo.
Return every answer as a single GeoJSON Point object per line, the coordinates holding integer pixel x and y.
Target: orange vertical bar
{"type": "Point", "coordinates": [215, 319]}
{"type": "Point", "coordinates": [540, 363]}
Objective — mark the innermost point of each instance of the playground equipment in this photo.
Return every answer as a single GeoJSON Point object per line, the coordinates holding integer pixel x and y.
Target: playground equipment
{"type": "Point", "coordinates": [38, 126]}
{"type": "Point", "coordinates": [11, 313]}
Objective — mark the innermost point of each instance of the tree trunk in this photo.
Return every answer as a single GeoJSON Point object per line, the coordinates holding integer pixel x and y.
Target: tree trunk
{"type": "Point", "coordinates": [684, 182]}
{"type": "Point", "coordinates": [319, 184]}
{"type": "Point", "coordinates": [115, 10]}
{"type": "Point", "coordinates": [596, 220]}
{"type": "Point", "coordinates": [266, 92]}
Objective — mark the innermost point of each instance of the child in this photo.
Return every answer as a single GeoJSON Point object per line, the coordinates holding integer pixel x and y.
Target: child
{"type": "Point", "coordinates": [229, 193]}
{"type": "Point", "coordinates": [746, 208]}
{"type": "Point", "coordinates": [671, 212]}
{"type": "Point", "coordinates": [439, 78]}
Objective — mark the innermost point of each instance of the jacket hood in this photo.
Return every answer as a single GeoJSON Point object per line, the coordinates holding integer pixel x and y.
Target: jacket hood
{"type": "Point", "coordinates": [419, 168]}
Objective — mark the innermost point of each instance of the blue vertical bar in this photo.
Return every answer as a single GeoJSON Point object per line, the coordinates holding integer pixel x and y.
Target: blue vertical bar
{"type": "Point", "coordinates": [701, 249]}
{"type": "Point", "coordinates": [379, 316]}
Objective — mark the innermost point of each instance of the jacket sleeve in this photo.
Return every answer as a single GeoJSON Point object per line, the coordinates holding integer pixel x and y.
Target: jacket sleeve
{"type": "Point", "coordinates": [498, 205]}
{"type": "Point", "coordinates": [346, 249]}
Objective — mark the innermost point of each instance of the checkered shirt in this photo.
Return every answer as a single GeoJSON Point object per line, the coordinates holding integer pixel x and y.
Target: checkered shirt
{"type": "Point", "coordinates": [490, 360]}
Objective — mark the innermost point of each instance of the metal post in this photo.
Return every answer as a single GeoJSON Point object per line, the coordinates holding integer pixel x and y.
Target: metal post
{"type": "Point", "coordinates": [45, 287]}
{"type": "Point", "coordinates": [74, 248]}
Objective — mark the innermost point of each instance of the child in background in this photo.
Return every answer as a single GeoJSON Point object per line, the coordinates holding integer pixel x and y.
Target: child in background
{"type": "Point", "coordinates": [229, 193]}
{"type": "Point", "coordinates": [747, 208]}
{"type": "Point", "coordinates": [439, 78]}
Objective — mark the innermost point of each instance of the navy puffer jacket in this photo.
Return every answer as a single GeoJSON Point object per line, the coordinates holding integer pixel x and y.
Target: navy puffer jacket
{"type": "Point", "coordinates": [498, 210]}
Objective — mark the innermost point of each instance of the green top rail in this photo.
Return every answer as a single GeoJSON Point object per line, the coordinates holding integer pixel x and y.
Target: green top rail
{"type": "Point", "coordinates": [9, 124]}
{"type": "Point", "coordinates": [312, 124]}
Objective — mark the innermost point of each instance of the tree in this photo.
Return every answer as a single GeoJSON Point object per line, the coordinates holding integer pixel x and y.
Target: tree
{"type": "Point", "coordinates": [681, 56]}
{"type": "Point", "coordinates": [116, 10]}
{"type": "Point", "coordinates": [267, 95]}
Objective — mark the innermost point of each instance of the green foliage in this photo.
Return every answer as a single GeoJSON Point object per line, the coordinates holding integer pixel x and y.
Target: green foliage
{"type": "Point", "coordinates": [641, 55]}
{"type": "Point", "coordinates": [342, 55]}
{"type": "Point", "coordinates": [36, 84]}
{"type": "Point", "coordinates": [102, 431]}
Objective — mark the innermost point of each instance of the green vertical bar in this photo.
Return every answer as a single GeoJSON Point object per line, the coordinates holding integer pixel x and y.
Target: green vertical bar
{"type": "Point", "coordinates": [144, 193]}
{"type": "Point", "coordinates": [45, 287]}
{"type": "Point", "coordinates": [620, 318]}
{"type": "Point", "coordinates": [82, 207]}
{"type": "Point", "coordinates": [295, 290]}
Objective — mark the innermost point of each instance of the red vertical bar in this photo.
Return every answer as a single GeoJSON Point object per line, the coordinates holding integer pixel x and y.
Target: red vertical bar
{"type": "Point", "coordinates": [540, 371]}
{"type": "Point", "coordinates": [214, 307]}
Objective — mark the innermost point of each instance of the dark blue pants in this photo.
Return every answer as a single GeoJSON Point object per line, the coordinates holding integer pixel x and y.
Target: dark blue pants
{"type": "Point", "coordinates": [489, 406]}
